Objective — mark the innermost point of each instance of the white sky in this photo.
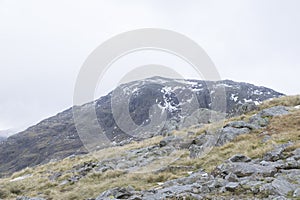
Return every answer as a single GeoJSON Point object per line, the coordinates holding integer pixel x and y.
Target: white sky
{"type": "Point", "coordinates": [44, 43]}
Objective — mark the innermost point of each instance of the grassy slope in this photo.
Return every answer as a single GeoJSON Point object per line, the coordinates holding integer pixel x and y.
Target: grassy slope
{"type": "Point", "coordinates": [282, 129]}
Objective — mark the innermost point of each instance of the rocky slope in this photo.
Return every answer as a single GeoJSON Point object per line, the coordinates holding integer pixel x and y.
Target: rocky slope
{"type": "Point", "coordinates": [180, 101]}
{"type": "Point", "coordinates": [252, 156]}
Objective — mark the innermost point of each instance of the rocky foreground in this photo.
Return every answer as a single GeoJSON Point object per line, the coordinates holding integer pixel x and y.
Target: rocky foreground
{"type": "Point", "coordinates": [274, 176]}
{"type": "Point", "coordinates": [253, 156]}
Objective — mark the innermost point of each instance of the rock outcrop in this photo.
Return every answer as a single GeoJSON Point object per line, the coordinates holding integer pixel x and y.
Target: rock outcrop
{"type": "Point", "coordinates": [239, 176]}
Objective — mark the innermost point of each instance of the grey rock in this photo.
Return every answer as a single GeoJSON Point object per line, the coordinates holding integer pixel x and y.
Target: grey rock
{"type": "Point", "coordinates": [276, 154]}
{"type": "Point", "coordinates": [201, 139]}
{"type": "Point", "coordinates": [296, 154]}
{"type": "Point", "coordinates": [195, 150]}
{"type": "Point", "coordinates": [253, 185]}
{"type": "Point", "coordinates": [228, 134]}
{"type": "Point", "coordinates": [202, 116]}
{"type": "Point", "coordinates": [55, 176]}
{"type": "Point", "coordinates": [258, 121]}
{"type": "Point", "coordinates": [232, 186]}
{"type": "Point", "coordinates": [296, 193]}
{"type": "Point", "coordinates": [232, 177]}
{"type": "Point", "coordinates": [186, 143]}
{"type": "Point", "coordinates": [278, 198]}
{"type": "Point", "coordinates": [240, 158]}
{"type": "Point", "coordinates": [282, 187]}
{"type": "Point", "coordinates": [117, 193]}
{"type": "Point", "coordinates": [274, 111]}
{"type": "Point", "coordinates": [217, 183]}
{"type": "Point", "coordinates": [29, 198]}
{"type": "Point", "coordinates": [266, 138]}
{"type": "Point", "coordinates": [247, 169]}
{"type": "Point", "coordinates": [240, 124]}
{"type": "Point", "coordinates": [292, 175]}
{"type": "Point", "coordinates": [74, 178]}
{"type": "Point", "coordinates": [135, 197]}
{"type": "Point", "coordinates": [243, 108]}
{"type": "Point", "coordinates": [202, 144]}
{"type": "Point", "coordinates": [190, 134]}
{"type": "Point", "coordinates": [104, 168]}
{"type": "Point", "coordinates": [261, 119]}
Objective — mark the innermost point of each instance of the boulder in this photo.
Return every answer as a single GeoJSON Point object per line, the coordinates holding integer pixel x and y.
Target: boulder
{"type": "Point", "coordinates": [277, 153]}
{"type": "Point", "coordinates": [274, 111]}
{"type": "Point", "coordinates": [29, 198]}
{"type": "Point", "coordinates": [239, 158]}
{"type": "Point", "coordinates": [261, 119]}
{"type": "Point", "coordinates": [240, 124]}
{"type": "Point", "coordinates": [296, 193]}
{"type": "Point", "coordinates": [117, 193]}
{"type": "Point", "coordinates": [231, 177]}
{"type": "Point", "coordinates": [242, 108]}
{"type": "Point", "coordinates": [232, 186]}
{"type": "Point", "coordinates": [282, 186]}
{"type": "Point", "coordinates": [258, 121]}
{"type": "Point", "coordinates": [229, 133]}
{"type": "Point", "coordinates": [242, 169]}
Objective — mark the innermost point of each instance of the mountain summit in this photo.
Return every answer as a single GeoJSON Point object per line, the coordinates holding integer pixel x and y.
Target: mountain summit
{"type": "Point", "coordinates": [145, 101]}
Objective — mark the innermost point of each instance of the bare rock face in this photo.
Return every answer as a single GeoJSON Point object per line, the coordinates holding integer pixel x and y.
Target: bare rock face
{"type": "Point", "coordinates": [56, 137]}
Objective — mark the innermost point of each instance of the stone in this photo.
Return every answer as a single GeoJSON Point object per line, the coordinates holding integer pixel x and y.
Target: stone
{"type": "Point", "coordinates": [186, 144]}
{"type": "Point", "coordinates": [117, 193]}
{"type": "Point", "coordinates": [240, 158]}
{"type": "Point", "coordinates": [258, 121]}
{"type": "Point", "coordinates": [240, 124]}
{"type": "Point", "coordinates": [195, 150]}
{"type": "Point", "coordinates": [55, 176]}
{"type": "Point", "coordinates": [228, 134]}
{"type": "Point", "coordinates": [247, 169]}
{"type": "Point", "coordinates": [231, 177]}
{"type": "Point", "coordinates": [278, 198]}
{"type": "Point", "coordinates": [261, 119]}
{"type": "Point", "coordinates": [266, 138]}
{"type": "Point", "coordinates": [274, 111]}
{"type": "Point", "coordinates": [296, 193]}
{"type": "Point", "coordinates": [282, 186]}
{"type": "Point", "coordinates": [135, 197]}
{"type": "Point", "coordinates": [29, 198]}
{"type": "Point", "coordinates": [240, 109]}
{"type": "Point", "coordinates": [276, 154]}
{"type": "Point", "coordinates": [232, 186]}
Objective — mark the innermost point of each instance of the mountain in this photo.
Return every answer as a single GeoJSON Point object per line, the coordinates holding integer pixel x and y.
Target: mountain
{"type": "Point", "coordinates": [177, 100]}
{"type": "Point", "coordinates": [255, 155]}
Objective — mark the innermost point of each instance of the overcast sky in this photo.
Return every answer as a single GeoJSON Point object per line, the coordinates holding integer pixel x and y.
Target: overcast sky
{"type": "Point", "coordinates": [44, 43]}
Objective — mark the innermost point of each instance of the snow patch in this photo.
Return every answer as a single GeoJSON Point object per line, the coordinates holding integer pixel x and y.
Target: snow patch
{"type": "Point", "coordinates": [234, 97]}
{"type": "Point", "coordinates": [257, 92]}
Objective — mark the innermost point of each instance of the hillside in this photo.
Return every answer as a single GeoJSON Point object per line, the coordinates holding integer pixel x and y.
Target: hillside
{"type": "Point", "coordinates": [255, 155]}
{"type": "Point", "coordinates": [182, 102]}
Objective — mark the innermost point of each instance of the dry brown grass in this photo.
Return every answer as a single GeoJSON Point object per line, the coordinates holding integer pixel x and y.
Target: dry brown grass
{"type": "Point", "coordinates": [289, 101]}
